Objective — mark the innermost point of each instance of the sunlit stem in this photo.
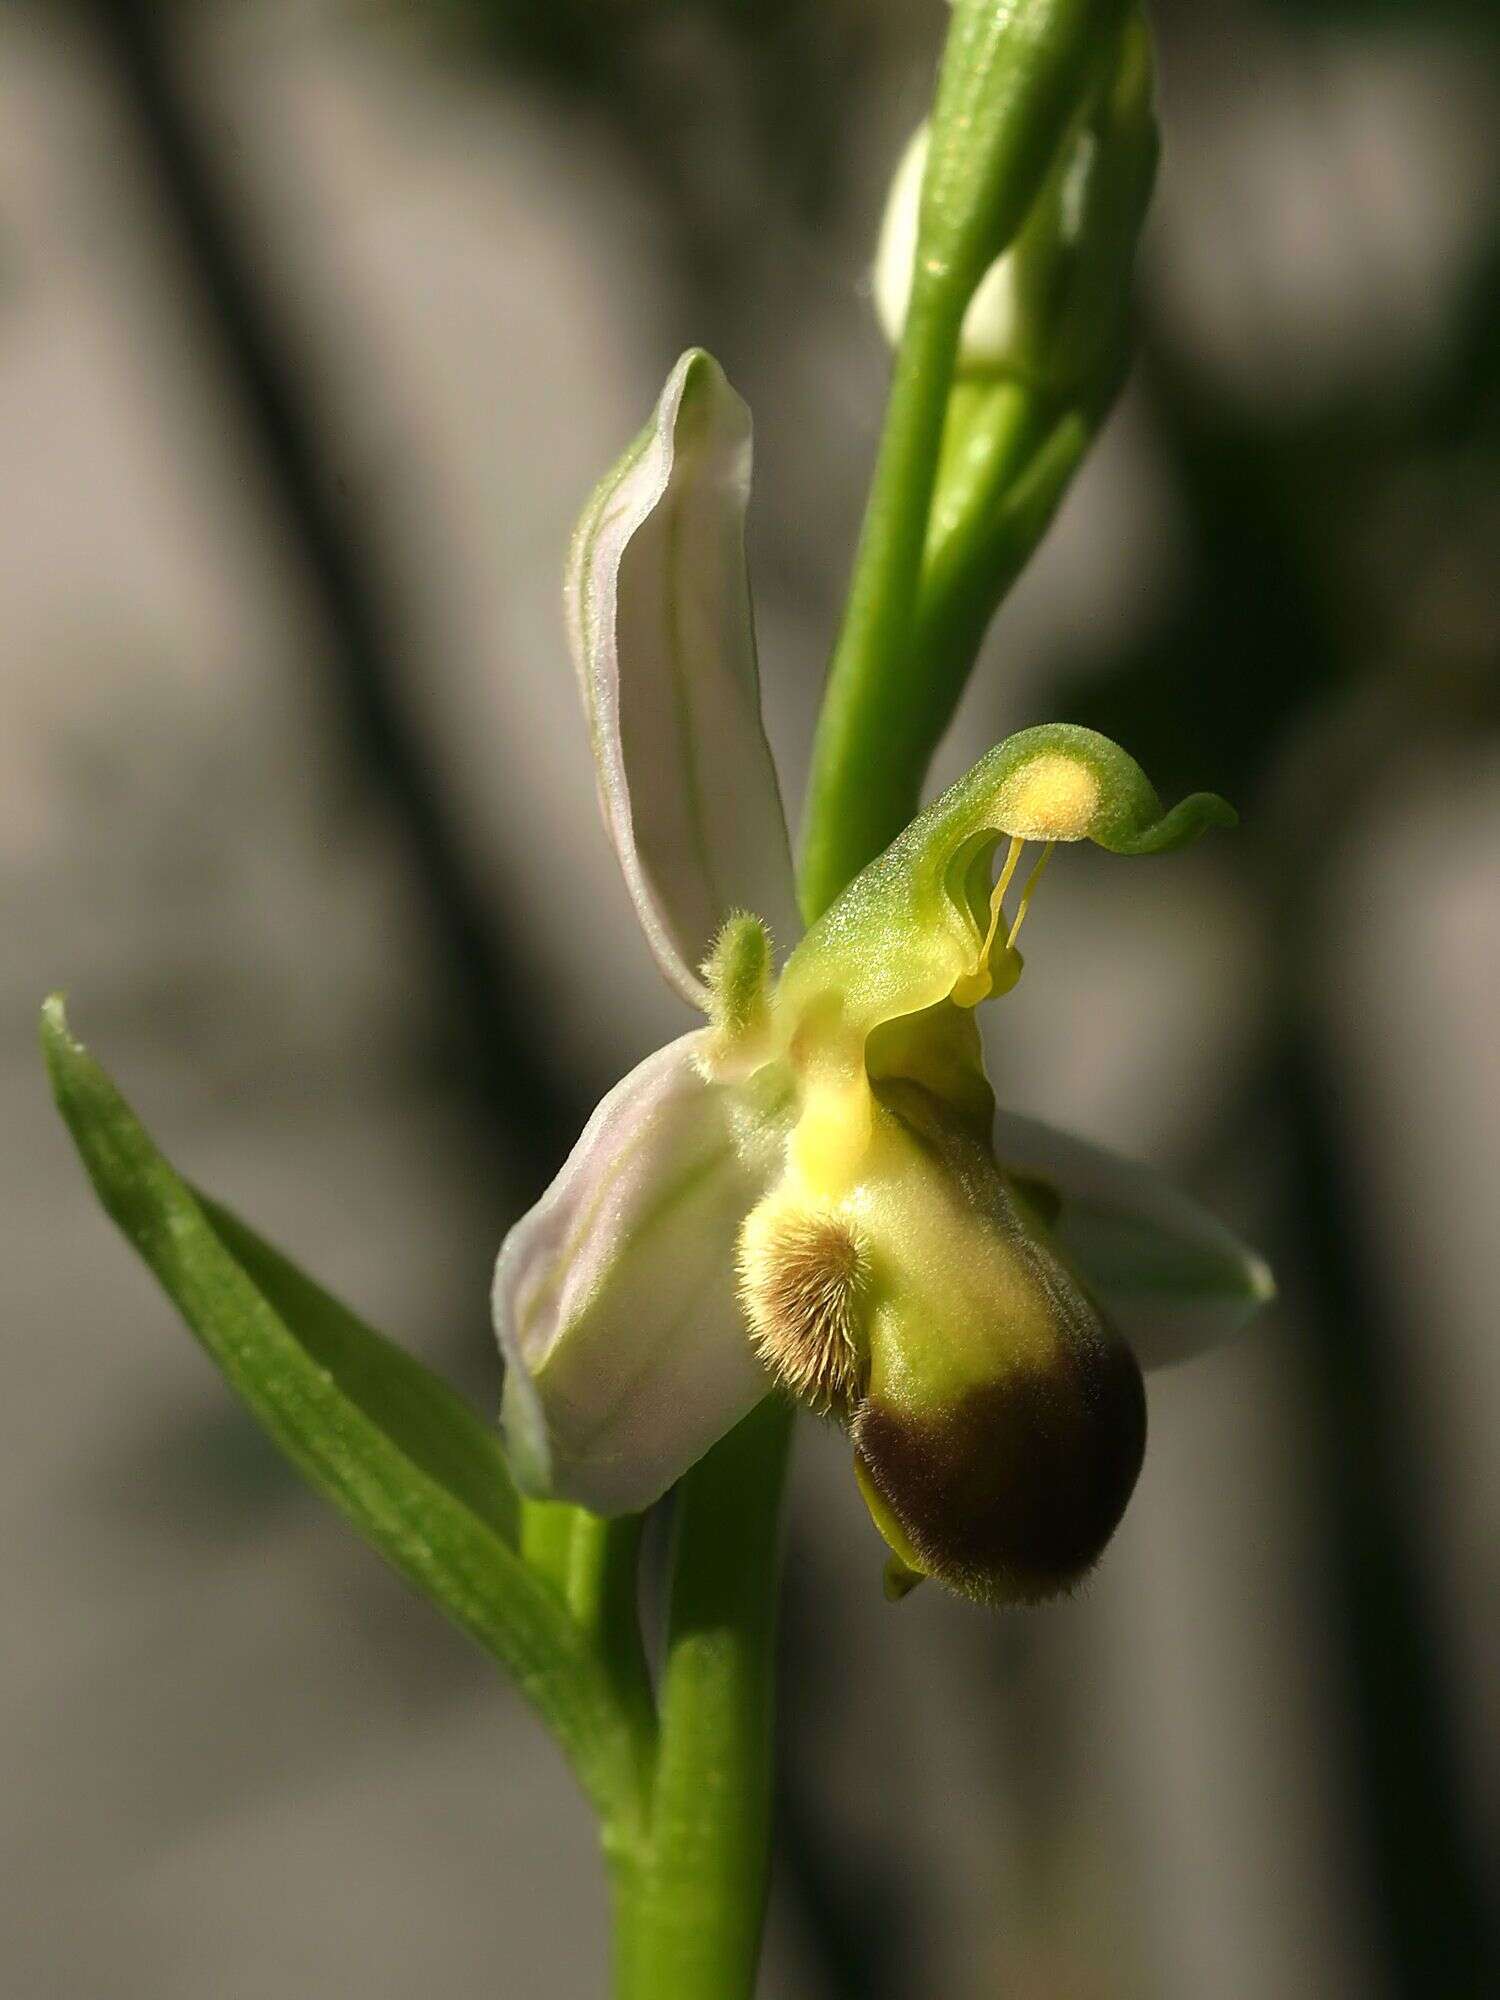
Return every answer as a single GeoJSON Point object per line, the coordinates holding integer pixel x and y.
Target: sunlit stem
{"type": "Point", "coordinates": [864, 733]}
{"type": "Point", "coordinates": [592, 1564]}
{"type": "Point", "coordinates": [1013, 77]}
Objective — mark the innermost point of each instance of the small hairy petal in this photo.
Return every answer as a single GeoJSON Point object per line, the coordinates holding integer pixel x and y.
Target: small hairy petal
{"type": "Point", "coordinates": [737, 973]}
{"type": "Point", "coordinates": [803, 1276]}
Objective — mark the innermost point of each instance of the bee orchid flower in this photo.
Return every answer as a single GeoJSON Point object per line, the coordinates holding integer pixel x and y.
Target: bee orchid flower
{"type": "Point", "coordinates": [812, 1193]}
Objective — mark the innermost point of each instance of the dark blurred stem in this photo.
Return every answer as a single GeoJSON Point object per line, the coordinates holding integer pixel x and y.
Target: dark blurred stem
{"type": "Point", "coordinates": [1261, 639]}
{"type": "Point", "coordinates": [510, 1075]}
{"type": "Point", "coordinates": [1429, 1892]}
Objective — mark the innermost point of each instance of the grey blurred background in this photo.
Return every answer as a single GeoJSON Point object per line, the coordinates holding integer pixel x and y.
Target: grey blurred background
{"type": "Point", "coordinates": [317, 322]}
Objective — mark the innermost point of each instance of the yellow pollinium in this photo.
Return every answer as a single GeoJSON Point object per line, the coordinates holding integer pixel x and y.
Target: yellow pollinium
{"type": "Point", "coordinates": [1050, 797]}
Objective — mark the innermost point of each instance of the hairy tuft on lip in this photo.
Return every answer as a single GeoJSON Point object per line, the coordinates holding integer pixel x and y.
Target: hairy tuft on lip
{"type": "Point", "coordinates": [802, 1281]}
{"type": "Point", "coordinates": [1011, 1494]}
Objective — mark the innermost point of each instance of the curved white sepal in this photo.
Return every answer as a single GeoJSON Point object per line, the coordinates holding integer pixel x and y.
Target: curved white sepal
{"type": "Point", "coordinates": [614, 1300]}
{"type": "Point", "coordinates": [659, 620]}
{"type": "Point", "coordinates": [1172, 1278]}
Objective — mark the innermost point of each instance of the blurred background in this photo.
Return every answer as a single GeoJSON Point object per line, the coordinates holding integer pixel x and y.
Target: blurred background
{"type": "Point", "coordinates": [317, 322]}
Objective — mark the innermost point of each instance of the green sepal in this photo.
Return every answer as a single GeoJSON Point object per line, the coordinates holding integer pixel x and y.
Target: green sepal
{"type": "Point", "coordinates": [1072, 261]}
{"type": "Point", "coordinates": [397, 1451]}
{"type": "Point", "coordinates": [911, 926]}
{"type": "Point", "coordinates": [1011, 81]}
{"type": "Point", "coordinates": [1051, 312]}
{"type": "Point", "coordinates": [737, 974]}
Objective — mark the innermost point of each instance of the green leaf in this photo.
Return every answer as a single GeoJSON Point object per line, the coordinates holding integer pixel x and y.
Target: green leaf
{"type": "Point", "coordinates": [399, 1453]}
{"type": "Point", "coordinates": [437, 1428]}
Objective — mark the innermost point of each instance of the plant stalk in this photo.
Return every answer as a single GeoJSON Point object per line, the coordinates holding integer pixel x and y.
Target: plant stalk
{"type": "Point", "coordinates": [872, 719]}
{"type": "Point", "coordinates": [689, 1906]}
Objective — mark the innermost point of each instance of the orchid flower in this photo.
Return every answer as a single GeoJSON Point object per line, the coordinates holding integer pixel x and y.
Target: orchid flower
{"type": "Point", "coordinates": [812, 1192]}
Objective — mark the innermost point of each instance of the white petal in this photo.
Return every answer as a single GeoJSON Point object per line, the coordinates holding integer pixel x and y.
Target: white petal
{"type": "Point", "coordinates": [992, 323]}
{"type": "Point", "coordinates": [659, 619]}
{"type": "Point", "coordinates": [614, 1298]}
{"type": "Point", "coordinates": [1170, 1275]}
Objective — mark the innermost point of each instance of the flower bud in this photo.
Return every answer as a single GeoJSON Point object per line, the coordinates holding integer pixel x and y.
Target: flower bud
{"type": "Point", "coordinates": [991, 333]}
{"type": "Point", "coordinates": [1050, 310]}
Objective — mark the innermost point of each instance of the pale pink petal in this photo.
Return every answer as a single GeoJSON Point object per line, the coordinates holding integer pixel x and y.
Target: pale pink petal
{"type": "Point", "coordinates": [1170, 1275]}
{"type": "Point", "coordinates": [614, 1299]}
{"type": "Point", "coordinates": [659, 618]}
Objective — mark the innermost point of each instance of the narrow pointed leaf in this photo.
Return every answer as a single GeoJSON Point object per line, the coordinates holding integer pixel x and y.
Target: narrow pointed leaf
{"type": "Point", "coordinates": [659, 618]}
{"type": "Point", "coordinates": [398, 1464]}
{"type": "Point", "coordinates": [439, 1430]}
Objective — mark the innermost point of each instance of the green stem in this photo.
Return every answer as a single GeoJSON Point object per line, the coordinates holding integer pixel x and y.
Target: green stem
{"type": "Point", "coordinates": [689, 1906]}
{"type": "Point", "coordinates": [971, 571]}
{"type": "Point", "coordinates": [603, 1596]}
{"type": "Point", "coordinates": [592, 1565]}
{"type": "Point", "coordinates": [871, 718]}
{"type": "Point", "coordinates": [546, 1540]}
{"type": "Point", "coordinates": [991, 425]}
